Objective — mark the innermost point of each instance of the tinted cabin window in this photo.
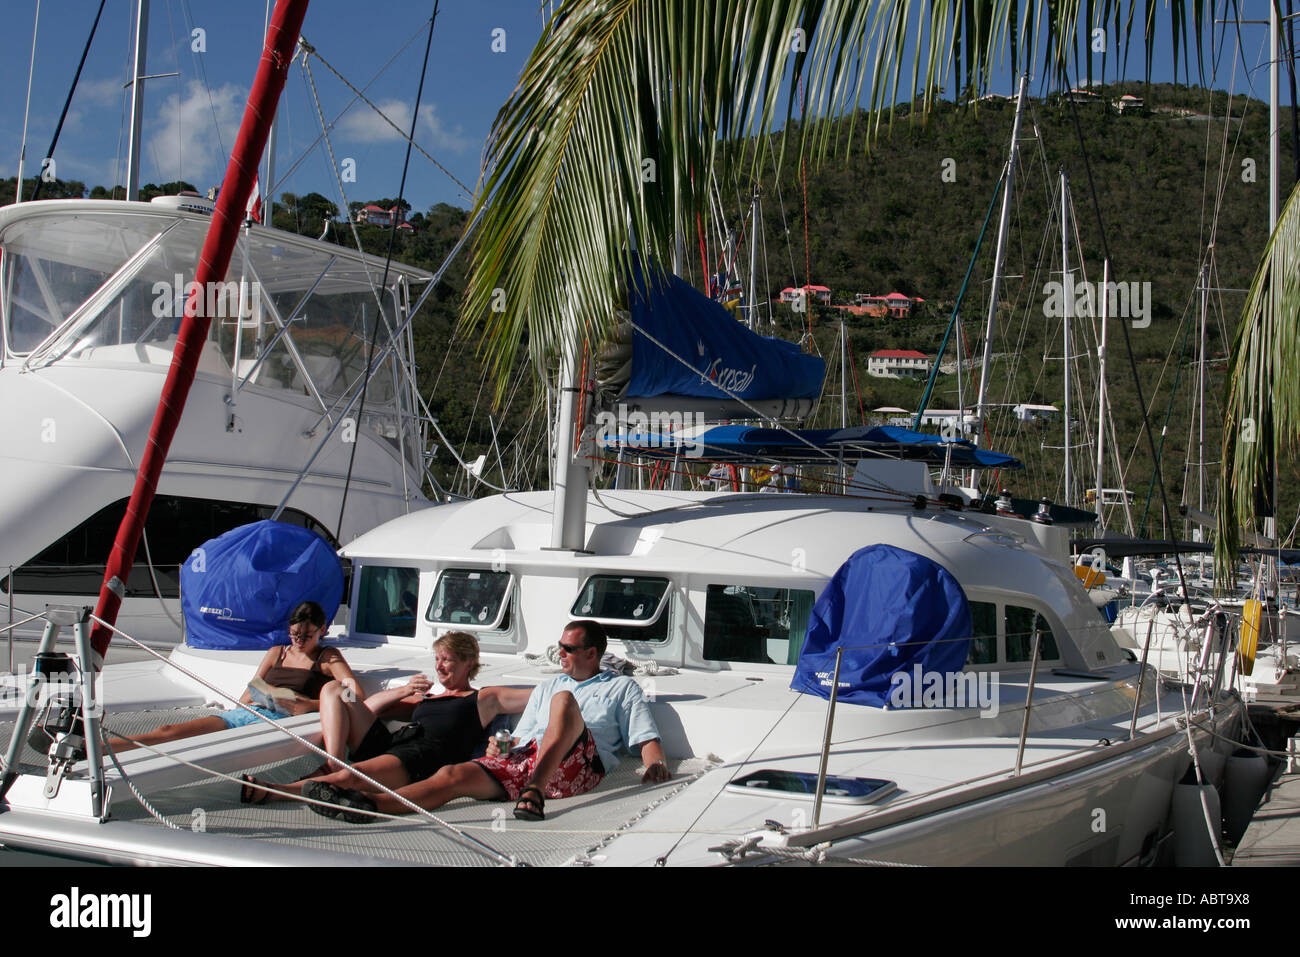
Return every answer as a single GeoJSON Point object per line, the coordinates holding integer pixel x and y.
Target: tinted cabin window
{"type": "Point", "coordinates": [631, 608]}
{"type": "Point", "coordinates": [470, 598]}
{"type": "Point", "coordinates": [386, 601]}
{"type": "Point", "coordinates": [74, 565]}
{"type": "Point", "coordinates": [984, 633]}
{"type": "Point", "coordinates": [755, 625]}
{"type": "Point", "coordinates": [1021, 624]}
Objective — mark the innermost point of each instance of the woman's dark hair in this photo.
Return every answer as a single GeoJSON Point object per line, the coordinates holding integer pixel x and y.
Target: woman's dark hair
{"type": "Point", "coordinates": [308, 611]}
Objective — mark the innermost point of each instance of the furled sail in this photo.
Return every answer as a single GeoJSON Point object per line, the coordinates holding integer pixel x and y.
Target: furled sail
{"type": "Point", "coordinates": [689, 352]}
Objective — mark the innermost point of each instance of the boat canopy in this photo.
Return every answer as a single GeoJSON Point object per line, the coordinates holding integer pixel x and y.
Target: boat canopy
{"type": "Point", "coordinates": [238, 590]}
{"type": "Point", "coordinates": [893, 612]}
{"type": "Point", "coordinates": [683, 344]}
{"type": "Point", "coordinates": [107, 282]}
{"type": "Point", "coordinates": [741, 443]}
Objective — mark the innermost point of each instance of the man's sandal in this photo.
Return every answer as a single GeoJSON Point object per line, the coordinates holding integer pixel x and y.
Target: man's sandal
{"type": "Point", "coordinates": [342, 803]}
{"type": "Point", "coordinates": [528, 807]}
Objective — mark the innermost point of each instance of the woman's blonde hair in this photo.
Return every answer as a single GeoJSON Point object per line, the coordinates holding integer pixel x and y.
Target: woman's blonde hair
{"type": "Point", "coordinates": [463, 646]}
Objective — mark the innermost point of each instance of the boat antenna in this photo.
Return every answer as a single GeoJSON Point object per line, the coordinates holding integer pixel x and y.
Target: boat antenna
{"type": "Point", "coordinates": [388, 261]}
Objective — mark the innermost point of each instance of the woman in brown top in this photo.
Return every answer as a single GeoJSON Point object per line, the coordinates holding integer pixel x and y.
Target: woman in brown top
{"type": "Point", "coordinates": [302, 666]}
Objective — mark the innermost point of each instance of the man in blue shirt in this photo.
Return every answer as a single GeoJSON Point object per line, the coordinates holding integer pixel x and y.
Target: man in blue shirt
{"type": "Point", "coordinates": [564, 744]}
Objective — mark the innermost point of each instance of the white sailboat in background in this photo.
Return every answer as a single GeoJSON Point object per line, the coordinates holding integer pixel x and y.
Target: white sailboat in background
{"type": "Point", "coordinates": [92, 293]}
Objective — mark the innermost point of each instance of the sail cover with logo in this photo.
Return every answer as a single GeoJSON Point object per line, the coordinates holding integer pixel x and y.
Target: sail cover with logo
{"type": "Point", "coordinates": [238, 590]}
{"type": "Point", "coordinates": [891, 610]}
{"type": "Point", "coordinates": [685, 344]}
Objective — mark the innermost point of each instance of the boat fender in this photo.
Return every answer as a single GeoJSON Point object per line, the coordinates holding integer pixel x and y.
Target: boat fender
{"type": "Point", "coordinates": [1192, 844]}
{"type": "Point", "coordinates": [1252, 611]}
{"type": "Point", "coordinates": [1244, 782]}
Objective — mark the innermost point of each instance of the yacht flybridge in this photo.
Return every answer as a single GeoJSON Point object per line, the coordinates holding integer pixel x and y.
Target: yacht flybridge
{"type": "Point", "coordinates": [93, 294]}
{"type": "Point", "coordinates": [711, 594]}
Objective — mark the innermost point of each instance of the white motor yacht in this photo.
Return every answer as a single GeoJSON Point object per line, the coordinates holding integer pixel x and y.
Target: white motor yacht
{"type": "Point", "coordinates": [92, 294]}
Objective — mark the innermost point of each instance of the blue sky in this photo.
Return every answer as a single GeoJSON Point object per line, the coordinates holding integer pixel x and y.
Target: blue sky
{"type": "Point", "coordinates": [190, 120]}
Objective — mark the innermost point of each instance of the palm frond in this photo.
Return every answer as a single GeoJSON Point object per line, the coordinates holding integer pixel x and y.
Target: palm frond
{"type": "Point", "coordinates": [628, 110]}
{"type": "Point", "coordinates": [1262, 415]}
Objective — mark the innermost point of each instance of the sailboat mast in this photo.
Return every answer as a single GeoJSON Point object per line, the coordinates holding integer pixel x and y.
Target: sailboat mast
{"type": "Point", "coordinates": [31, 70]}
{"type": "Point", "coordinates": [1101, 395]}
{"type": "Point", "coordinates": [1200, 400]}
{"type": "Point", "coordinates": [137, 99]}
{"type": "Point", "coordinates": [752, 300]}
{"type": "Point", "coordinates": [1067, 287]}
{"type": "Point", "coordinates": [998, 257]}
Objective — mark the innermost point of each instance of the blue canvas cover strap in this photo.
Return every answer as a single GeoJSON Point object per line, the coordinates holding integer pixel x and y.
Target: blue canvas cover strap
{"type": "Point", "coordinates": [890, 610]}
{"type": "Point", "coordinates": [238, 589]}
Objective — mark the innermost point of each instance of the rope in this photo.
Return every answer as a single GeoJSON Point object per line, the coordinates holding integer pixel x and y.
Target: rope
{"type": "Point", "coordinates": [144, 803]}
{"type": "Point", "coordinates": [410, 142]}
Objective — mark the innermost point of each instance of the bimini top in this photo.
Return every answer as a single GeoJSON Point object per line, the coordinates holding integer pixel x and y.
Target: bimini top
{"type": "Point", "coordinates": [740, 443]}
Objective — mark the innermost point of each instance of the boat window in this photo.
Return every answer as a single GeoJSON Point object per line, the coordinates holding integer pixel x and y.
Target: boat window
{"type": "Point", "coordinates": [984, 633]}
{"type": "Point", "coordinates": [74, 564]}
{"type": "Point", "coordinates": [1021, 623]}
{"type": "Point", "coordinates": [630, 608]}
{"type": "Point", "coordinates": [386, 601]}
{"type": "Point", "coordinates": [471, 598]}
{"type": "Point", "coordinates": [757, 625]}
{"type": "Point", "coordinates": [53, 263]}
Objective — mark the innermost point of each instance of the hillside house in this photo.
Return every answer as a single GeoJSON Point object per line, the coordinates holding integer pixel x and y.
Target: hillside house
{"type": "Point", "coordinates": [819, 294]}
{"type": "Point", "coordinates": [898, 364]}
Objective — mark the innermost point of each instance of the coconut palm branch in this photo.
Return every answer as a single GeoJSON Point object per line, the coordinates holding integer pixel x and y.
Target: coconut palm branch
{"type": "Point", "coordinates": [1262, 414]}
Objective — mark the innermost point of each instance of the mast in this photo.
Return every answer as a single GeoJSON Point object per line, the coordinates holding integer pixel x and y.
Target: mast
{"type": "Point", "coordinates": [1200, 387]}
{"type": "Point", "coordinates": [273, 68]}
{"type": "Point", "coordinates": [752, 301]}
{"type": "Point", "coordinates": [31, 70]}
{"type": "Point", "coordinates": [844, 374]}
{"type": "Point", "coordinates": [1101, 392]}
{"type": "Point", "coordinates": [137, 99]}
{"type": "Point", "coordinates": [998, 258]}
{"type": "Point", "coordinates": [1067, 294]}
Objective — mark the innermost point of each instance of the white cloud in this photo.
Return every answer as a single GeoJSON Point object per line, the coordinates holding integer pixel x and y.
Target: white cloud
{"type": "Point", "coordinates": [363, 123]}
{"type": "Point", "coordinates": [182, 137]}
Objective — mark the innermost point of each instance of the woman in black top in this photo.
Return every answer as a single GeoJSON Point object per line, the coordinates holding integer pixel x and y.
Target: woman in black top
{"type": "Point", "coordinates": [445, 729]}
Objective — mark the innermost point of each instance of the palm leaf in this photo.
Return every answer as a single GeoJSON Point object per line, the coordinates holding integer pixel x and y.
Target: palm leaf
{"type": "Point", "coordinates": [628, 110]}
{"type": "Point", "coordinates": [1262, 415]}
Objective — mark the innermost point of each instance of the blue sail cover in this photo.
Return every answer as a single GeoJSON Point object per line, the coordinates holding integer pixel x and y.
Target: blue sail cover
{"type": "Point", "coordinates": [892, 611]}
{"type": "Point", "coordinates": [238, 589]}
{"type": "Point", "coordinates": [720, 351]}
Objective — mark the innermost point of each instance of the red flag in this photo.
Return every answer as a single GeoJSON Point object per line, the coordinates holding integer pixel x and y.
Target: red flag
{"type": "Point", "coordinates": [254, 210]}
